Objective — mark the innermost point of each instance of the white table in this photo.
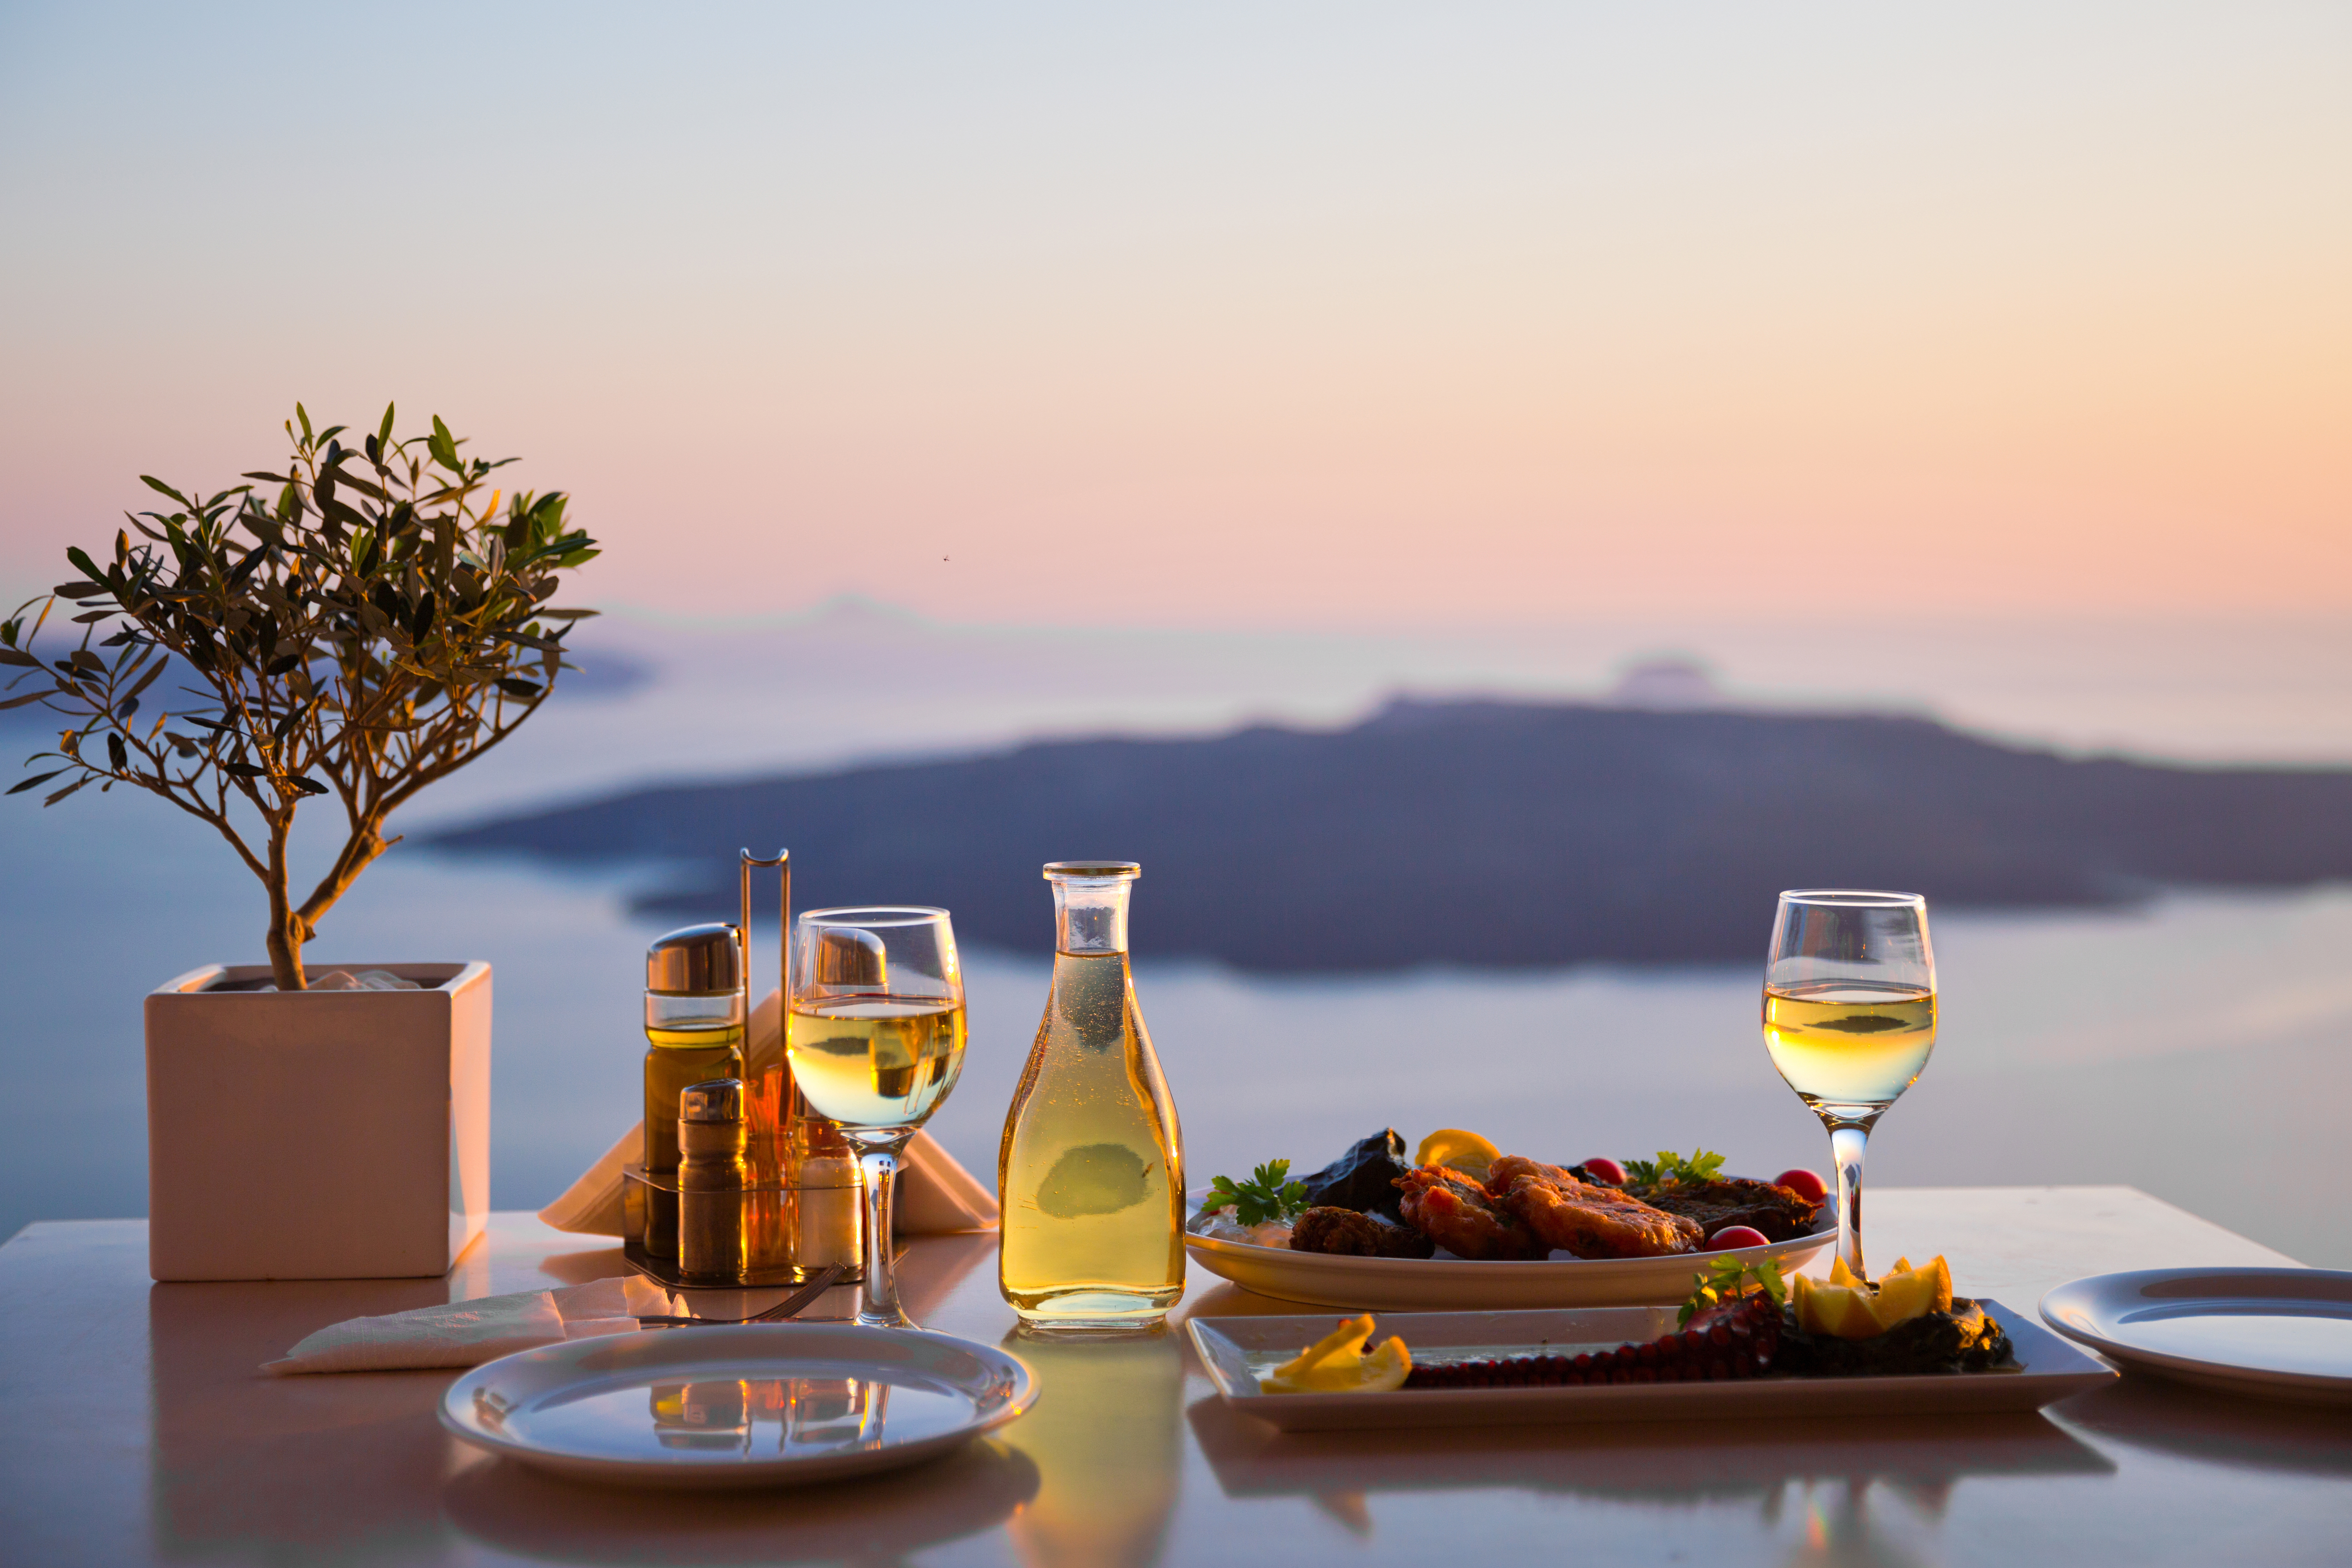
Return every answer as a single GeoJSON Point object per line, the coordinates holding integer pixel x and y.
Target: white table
{"type": "Point", "coordinates": [136, 1429]}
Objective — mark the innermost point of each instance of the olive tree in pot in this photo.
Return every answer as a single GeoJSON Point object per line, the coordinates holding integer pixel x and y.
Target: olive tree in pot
{"type": "Point", "coordinates": [352, 628]}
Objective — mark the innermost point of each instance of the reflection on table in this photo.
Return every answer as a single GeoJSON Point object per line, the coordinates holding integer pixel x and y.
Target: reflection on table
{"type": "Point", "coordinates": [811, 1414]}
{"type": "Point", "coordinates": [1107, 1437]}
{"type": "Point", "coordinates": [881, 1519]}
{"type": "Point", "coordinates": [1833, 1470]}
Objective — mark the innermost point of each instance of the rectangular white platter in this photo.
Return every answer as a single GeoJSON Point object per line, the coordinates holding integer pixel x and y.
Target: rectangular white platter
{"type": "Point", "coordinates": [1237, 1352]}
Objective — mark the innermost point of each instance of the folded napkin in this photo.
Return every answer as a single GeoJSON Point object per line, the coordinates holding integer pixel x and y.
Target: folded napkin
{"type": "Point", "coordinates": [936, 1195]}
{"type": "Point", "coordinates": [467, 1333]}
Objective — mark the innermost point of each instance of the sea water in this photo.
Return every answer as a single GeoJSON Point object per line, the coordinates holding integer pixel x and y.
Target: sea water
{"type": "Point", "coordinates": [2139, 1046]}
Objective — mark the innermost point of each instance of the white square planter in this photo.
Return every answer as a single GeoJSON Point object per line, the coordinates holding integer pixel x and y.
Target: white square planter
{"type": "Point", "coordinates": [316, 1134]}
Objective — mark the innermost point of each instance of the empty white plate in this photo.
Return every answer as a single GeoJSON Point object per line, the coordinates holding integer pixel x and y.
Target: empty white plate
{"type": "Point", "coordinates": [755, 1405]}
{"type": "Point", "coordinates": [2285, 1333]}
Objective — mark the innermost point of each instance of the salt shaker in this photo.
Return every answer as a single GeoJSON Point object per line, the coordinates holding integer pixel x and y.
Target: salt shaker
{"type": "Point", "coordinates": [829, 1201]}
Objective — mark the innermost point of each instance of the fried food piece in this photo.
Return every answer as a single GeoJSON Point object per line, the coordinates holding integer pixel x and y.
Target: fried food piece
{"type": "Point", "coordinates": [1589, 1221]}
{"type": "Point", "coordinates": [1782, 1214]}
{"type": "Point", "coordinates": [1352, 1235]}
{"type": "Point", "coordinates": [1456, 1213]}
{"type": "Point", "coordinates": [1510, 1167]}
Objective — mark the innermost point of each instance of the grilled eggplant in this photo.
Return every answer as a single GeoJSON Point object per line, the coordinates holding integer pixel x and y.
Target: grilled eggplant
{"type": "Point", "coordinates": [1966, 1338]}
{"type": "Point", "coordinates": [1364, 1178]}
{"type": "Point", "coordinates": [1782, 1214]}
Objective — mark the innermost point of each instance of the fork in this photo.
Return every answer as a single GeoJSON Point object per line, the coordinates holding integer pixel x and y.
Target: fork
{"type": "Point", "coordinates": [788, 1307]}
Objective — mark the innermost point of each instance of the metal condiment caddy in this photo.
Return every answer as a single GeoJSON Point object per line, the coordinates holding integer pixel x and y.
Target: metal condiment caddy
{"type": "Point", "coordinates": [752, 1189]}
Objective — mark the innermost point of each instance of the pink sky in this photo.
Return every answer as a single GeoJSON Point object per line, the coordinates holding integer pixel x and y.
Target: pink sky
{"type": "Point", "coordinates": [1354, 316]}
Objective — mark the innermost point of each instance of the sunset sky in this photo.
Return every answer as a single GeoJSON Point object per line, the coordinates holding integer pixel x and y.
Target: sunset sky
{"type": "Point", "coordinates": [1355, 315]}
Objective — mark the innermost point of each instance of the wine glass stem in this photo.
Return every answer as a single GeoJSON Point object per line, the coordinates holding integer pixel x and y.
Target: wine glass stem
{"type": "Point", "coordinates": [1848, 1142]}
{"type": "Point", "coordinates": [880, 1297]}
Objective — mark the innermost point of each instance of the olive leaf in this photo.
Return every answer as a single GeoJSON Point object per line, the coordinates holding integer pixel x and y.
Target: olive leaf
{"type": "Point", "coordinates": [363, 629]}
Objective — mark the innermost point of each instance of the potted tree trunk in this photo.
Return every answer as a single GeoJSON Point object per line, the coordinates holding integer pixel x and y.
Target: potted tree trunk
{"type": "Point", "coordinates": [349, 630]}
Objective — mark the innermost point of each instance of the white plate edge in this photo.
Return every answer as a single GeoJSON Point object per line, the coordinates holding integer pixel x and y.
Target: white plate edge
{"type": "Point", "coordinates": [458, 1420]}
{"type": "Point", "coordinates": [1502, 1267]}
{"type": "Point", "coordinates": [2225, 1371]}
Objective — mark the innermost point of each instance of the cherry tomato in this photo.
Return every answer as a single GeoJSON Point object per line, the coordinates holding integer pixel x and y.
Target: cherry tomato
{"type": "Point", "coordinates": [1604, 1168]}
{"type": "Point", "coordinates": [1804, 1183]}
{"type": "Point", "coordinates": [1732, 1236]}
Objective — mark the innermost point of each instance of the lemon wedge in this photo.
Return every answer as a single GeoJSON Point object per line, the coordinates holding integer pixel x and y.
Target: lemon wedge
{"type": "Point", "coordinates": [1345, 1342]}
{"type": "Point", "coordinates": [1844, 1311]}
{"type": "Point", "coordinates": [1337, 1363]}
{"type": "Point", "coordinates": [1909, 1292]}
{"type": "Point", "coordinates": [1852, 1309]}
{"type": "Point", "coordinates": [1457, 1149]}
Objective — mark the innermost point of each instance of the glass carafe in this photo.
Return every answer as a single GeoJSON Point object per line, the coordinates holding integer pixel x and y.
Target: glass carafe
{"type": "Point", "coordinates": [1091, 1172]}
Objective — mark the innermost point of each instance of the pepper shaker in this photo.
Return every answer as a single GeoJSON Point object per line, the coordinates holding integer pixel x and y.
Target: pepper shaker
{"type": "Point", "coordinates": [713, 1172]}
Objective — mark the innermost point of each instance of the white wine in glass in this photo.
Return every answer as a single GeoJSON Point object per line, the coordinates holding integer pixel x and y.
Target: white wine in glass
{"type": "Point", "coordinates": [876, 1041]}
{"type": "Point", "coordinates": [876, 1062]}
{"type": "Point", "coordinates": [1850, 1019]}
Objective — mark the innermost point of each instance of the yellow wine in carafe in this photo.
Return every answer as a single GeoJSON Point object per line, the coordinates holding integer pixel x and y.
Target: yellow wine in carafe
{"type": "Point", "coordinates": [1091, 1167]}
{"type": "Point", "coordinates": [1841, 1043]}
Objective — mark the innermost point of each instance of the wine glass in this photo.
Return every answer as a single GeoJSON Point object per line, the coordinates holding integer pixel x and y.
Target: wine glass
{"type": "Point", "coordinates": [1850, 1017]}
{"type": "Point", "coordinates": [876, 1041]}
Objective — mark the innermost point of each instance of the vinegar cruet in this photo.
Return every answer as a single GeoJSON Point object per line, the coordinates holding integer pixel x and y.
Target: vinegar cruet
{"type": "Point", "coordinates": [1090, 1174]}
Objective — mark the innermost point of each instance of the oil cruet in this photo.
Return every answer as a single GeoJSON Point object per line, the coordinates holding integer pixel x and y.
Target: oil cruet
{"type": "Point", "coordinates": [694, 1027]}
{"type": "Point", "coordinates": [1090, 1174]}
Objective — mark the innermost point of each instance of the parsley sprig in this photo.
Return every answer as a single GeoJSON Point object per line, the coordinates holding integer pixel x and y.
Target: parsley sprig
{"type": "Point", "coordinates": [1726, 1280]}
{"type": "Point", "coordinates": [1267, 1194]}
{"type": "Point", "coordinates": [1669, 1166]}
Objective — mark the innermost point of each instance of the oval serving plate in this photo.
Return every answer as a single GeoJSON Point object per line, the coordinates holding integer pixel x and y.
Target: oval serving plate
{"type": "Point", "coordinates": [2283, 1334]}
{"type": "Point", "coordinates": [1445, 1283]}
{"type": "Point", "coordinates": [754, 1405]}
